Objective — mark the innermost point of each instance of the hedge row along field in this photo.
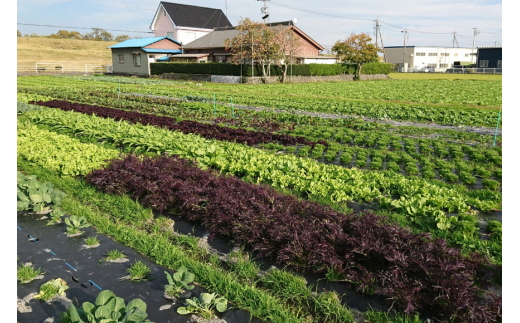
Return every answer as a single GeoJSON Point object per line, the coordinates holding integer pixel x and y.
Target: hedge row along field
{"type": "Point", "coordinates": [412, 270]}
{"type": "Point", "coordinates": [298, 100]}
{"type": "Point", "coordinates": [420, 205]}
{"type": "Point", "coordinates": [430, 154]}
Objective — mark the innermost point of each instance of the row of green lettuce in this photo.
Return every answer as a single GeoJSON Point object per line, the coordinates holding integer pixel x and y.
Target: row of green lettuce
{"type": "Point", "coordinates": [423, 204]}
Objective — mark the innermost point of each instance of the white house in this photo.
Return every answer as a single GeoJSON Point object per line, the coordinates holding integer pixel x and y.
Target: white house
{"type": "Point", "coordinates": [185, 23]}
{"type": "Point", "coordinates": [433, 58]}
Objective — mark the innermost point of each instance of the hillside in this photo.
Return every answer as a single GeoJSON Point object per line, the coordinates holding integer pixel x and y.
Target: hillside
{"type": "Point", "coordinates": [65, 51]}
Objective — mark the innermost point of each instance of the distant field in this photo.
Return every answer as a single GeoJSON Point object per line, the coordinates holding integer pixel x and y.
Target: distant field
{"type": "Point", "coordinates": [64, 51]}
{"type": "Point", "coordinates": [444, 76]}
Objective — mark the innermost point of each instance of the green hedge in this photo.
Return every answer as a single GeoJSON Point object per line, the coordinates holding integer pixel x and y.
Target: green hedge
{"type": "Point", "coordinates": [297, 69]}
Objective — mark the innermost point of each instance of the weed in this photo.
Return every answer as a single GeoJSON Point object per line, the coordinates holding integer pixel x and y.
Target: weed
{"type": "Point", "coordinates": [138, 271]}
{"type": "Point", "coordinates": [91, 241]}
{"type": "Point", "coordinates": [27, 273]}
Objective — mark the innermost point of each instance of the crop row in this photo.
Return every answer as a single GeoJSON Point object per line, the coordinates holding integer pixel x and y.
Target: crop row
{"type": "Point", "coordinates": [206, 130]}
{"type": "Point", "coordinates": [411, 210]}
{"type": "Point", "coordinates": [377, 257]}
{"type": "Point", "coordinates": [371, 109]}
{"type": "Point", "coordinates": [433, 91]}
{"type": "Point", "coordinates": [260, 120]}
{"type": "Point", "coordinates": [409, 161]}
{"type": "Point", "coordinates": [419, 202]}
{"type": "Point", "coordinates": [60, 152]}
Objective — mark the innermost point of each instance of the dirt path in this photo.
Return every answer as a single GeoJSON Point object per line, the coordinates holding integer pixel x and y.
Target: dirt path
{"type": "Point", "coordinates": [478, 130]}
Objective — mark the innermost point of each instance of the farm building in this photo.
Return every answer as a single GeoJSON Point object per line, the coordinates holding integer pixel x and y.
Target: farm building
{"type": "Point", "coordinates": [421, 58]}
{"type": "Point", "coordinates": [212, 45]}
{"type": "Point", "coordinates": [186, 23]}
{"type": "Point", "coordinates": [489, 57]}
{"type": "Point", "coordinates": [133, 56]}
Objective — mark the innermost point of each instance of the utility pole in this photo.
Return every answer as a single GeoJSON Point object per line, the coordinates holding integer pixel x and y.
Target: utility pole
{"type": "Point", "coordinates": [455, 39]}
{"type": "Point", "coordinates": [404, 51]}
{"type": "Point", "coordinates": [475, 33]}
{"type": "Point", "coordinates": [377, 29]}
{"type": "Point", "coordinates": [382, 46]}
{"type": "Point", "coordinates": [265, 12]}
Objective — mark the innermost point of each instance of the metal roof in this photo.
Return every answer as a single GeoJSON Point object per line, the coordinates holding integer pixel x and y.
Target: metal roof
{"type": "Point", "coordinates": [141, 42]}
{"type": "Point", "coordinates": [214, 39]}
{"type": "Point", "coordinates": [162, 51]}
{"type": "Point", "coordinates": [194, 16]}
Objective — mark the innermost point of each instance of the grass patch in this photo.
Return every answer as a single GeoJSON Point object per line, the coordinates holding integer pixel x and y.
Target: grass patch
{"type": "Point", "coordinates": [114, 255]}
{"type": "Point", "coordinates": [91, 241]}
{"type": "Point", "coordinates": [138, 271]}
{"type": "Point", "coordinates": [25, 274]}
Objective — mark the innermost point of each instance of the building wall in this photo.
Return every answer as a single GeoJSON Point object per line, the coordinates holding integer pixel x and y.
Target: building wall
{"type": "Point", "coordinates": [492, 55]}
{"type": "Point", "coordinates": [128, 65]}
{"type": "Point", "coordinates": [331, 60]}
{"type": "Point", "coordinates": [164, 24]}
{"type": "Point", "coordinates": [164, 44]}
{"type": "Point", "coordinates": [306, 48]}
{"type": "Point", "coordinates": [184, 35]}
{"type": "Point", "coordinates": [439, 58]}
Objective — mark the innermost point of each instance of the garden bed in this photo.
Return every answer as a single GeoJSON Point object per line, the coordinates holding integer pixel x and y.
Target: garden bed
{"type": "Point", "coordinates": [62, 257]}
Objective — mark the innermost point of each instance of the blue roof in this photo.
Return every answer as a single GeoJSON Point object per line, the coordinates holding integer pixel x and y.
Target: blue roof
{"type": "Point", "coordinates": [162, 51]}
{"type": "Point", "coordinates": [141, 42]}
{"type": "Point", "coordinates": [164, 58]}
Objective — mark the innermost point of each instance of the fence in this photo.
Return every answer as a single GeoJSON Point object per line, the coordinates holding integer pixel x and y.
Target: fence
{"type": "Point", "coordinates": [474, 70]}
{"type": "Point", "coordinates": [39, 68]}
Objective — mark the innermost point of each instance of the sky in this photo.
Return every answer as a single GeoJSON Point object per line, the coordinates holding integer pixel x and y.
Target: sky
{"type": "Point", "coordinates": [428, 22]}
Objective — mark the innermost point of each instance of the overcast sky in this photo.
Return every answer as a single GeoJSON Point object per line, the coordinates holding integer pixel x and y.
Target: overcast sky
{"type": "Point", "coordinates": [430, 22]}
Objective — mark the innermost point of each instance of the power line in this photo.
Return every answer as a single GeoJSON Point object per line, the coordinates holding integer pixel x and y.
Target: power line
{"type": "Point", "coordinates": [130, 31]}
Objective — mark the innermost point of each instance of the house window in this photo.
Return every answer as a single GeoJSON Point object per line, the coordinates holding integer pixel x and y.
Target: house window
{"type": "Point", "coordinates": [121, 58]}
{"type": "Point", "coordinates": [137, 59]}
{"type": "Point", "coordinates": [483, 63]}
{"type": "Point", "coordinates": [456, 54]}
{"type": "Point", "coordinates": [432, 54]}
{"type": "Point", "coordinates": [202, 61]}
{"type": "Point", "coordinates": [444, 65]}
{"type": "Point", "coordinates": [445, 54]}
{"type": "Point", "coordinates": [499, 63]}
{"type": "Point", "coordinates": [420, 54]}
{"type": "Point", "coordinates": [170, 35]}
{"type": "Point", "coordinates": [466, 55]}
{"type": "Point", "coordinates": [431, 66]}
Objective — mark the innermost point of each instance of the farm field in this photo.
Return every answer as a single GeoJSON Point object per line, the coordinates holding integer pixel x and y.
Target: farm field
{"type": "Point", "coordinates": [445, 76]}
{"type": "Point", "coordinates": [286, 217]}
{"type": "Point", "coordinates": [66, 51]}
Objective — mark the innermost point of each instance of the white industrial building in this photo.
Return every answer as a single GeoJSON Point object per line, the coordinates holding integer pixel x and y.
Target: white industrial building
{"type": "Point", "coordinates": [429, 58]}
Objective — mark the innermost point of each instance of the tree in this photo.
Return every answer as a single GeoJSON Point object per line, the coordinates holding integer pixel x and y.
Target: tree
{"type": "Point", "coordinates": [121, 38]}
{"type": "Point", "coordinates": [98, 34]}
{"type": "Point", "coordinates": [18, 33]}
{"type": "Point", "coordinates": [288, 45]}
{"type": "Point", "coordinates": [255, 42]}
{"type": "Point", "coordinates": [64, 34]}
{"type": "Point", "coordinates": [357, 49]}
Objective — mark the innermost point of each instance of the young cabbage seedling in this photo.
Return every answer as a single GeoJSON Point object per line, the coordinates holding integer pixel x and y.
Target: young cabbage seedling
{"type": "Point", "coordinates": [108, 308]}
{"type": "Point", "coordinates": [52, 288]}
{"type": "Point", "coordinates": [55, 216]}
{"type": "Point", "coordinates": [75, 223]}
{"type": "Point", "coordinates": [204, 305]}
{"type": "Point", "coordinates": [179, 282]}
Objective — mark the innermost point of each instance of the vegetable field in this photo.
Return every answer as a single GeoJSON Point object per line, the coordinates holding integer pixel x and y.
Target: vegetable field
{"type": "Point", "coordinates": [274, 214]}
